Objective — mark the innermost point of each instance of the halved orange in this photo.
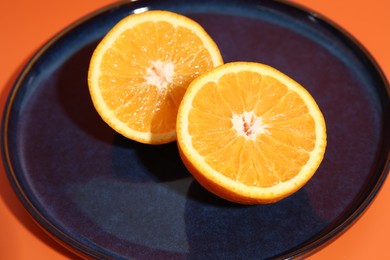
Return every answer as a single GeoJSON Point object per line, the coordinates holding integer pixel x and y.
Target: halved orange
{"type": "Point", "coordinates": [140, 70]}
{"type": "Point", "coordinates": [249, 133]}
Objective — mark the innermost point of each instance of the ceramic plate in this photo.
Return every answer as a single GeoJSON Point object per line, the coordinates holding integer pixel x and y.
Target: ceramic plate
{"type": "Point", "coordinates": [108, 197]}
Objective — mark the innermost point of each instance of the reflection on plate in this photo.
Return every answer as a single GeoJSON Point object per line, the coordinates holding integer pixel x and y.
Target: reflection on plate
{"type": "Point", "coordinates": [108, 197]}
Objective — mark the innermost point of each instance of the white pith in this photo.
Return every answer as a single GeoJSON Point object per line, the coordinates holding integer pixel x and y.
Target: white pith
{"type": "Point", "coordinates": [248, 125]}
{"type": "Point", "coordinates": [160, 74]}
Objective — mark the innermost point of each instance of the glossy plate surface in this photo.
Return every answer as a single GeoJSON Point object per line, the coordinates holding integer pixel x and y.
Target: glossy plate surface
{"type": "Point", "coordinates": [108, 197]}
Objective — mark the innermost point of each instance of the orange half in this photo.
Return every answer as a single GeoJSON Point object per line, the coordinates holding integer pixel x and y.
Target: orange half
{"type": "Point", "coordinates": [141, 69]}
{"type": "Point", "coordinates": [249, 133]}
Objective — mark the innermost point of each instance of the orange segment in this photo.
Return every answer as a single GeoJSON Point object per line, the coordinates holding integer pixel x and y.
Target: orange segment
{"type": "Point", "coordinates": [249, 133]}
{"type": "Point", "coordinates": [141, 69]}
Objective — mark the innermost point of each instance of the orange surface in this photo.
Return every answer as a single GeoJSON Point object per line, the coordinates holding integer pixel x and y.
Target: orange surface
{"type": "Point", "coordinates": [167, 73]}
{"type": "Point", "coordinates": [25, 25]}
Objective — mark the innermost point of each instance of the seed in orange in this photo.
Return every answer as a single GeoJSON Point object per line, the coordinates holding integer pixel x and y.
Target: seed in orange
{"type": "Point", "coordinates": [249, 133]}
{"type": "Point", "coordinates": [140, 70]}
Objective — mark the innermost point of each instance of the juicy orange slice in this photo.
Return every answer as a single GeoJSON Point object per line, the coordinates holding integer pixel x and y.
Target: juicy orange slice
{"type": "Point", "coordinates": [140, 70]}
{"type": "Point", "coordinates": [249, 133]}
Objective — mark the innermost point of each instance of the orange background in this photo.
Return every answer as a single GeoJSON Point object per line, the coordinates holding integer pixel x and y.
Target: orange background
{"type": "Point", "coordinates": [26, 25]}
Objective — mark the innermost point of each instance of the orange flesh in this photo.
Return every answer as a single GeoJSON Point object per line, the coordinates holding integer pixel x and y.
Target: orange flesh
{"type": "Point", "coordinates": [151, 106]}
{"type": "Point", "coordinates": [244, 131]}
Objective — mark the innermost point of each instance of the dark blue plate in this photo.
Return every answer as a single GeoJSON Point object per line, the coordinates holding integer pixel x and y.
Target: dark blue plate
{"type": "Point", "coordinates": [108, 197]}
